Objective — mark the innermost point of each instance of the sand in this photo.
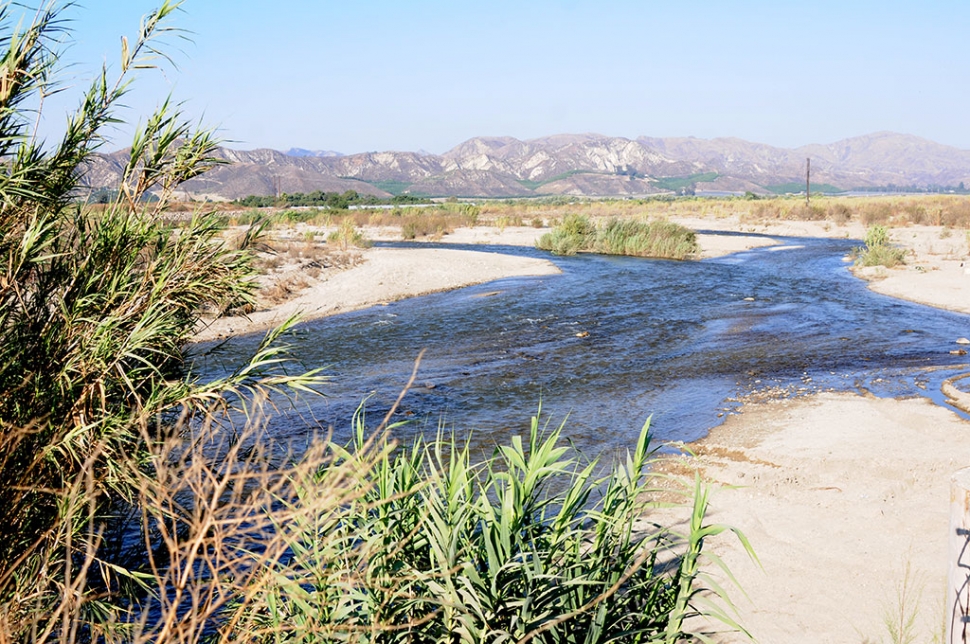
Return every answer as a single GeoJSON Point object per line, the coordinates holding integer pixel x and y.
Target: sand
{"type": "Point", "coordinates": [384, 275]}
{"type": "Point", "coordinates": [840, 495]}
{"type": "Point", "coordinates": [937, 270]}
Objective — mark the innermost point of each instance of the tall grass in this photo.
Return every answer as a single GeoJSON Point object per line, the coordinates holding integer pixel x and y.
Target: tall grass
{"type": "Point", "coordinates": [659, 238]}
{"type": "Point", "coordinates": [878, 250]}
{"type": "Point", "coordinates": [96, 306]}
{"type": "Point", "coordinates": [526, 545]}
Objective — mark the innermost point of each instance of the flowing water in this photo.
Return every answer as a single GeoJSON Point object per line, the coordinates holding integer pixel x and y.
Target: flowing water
{"type": "Point", "coordinates": [614, 340]}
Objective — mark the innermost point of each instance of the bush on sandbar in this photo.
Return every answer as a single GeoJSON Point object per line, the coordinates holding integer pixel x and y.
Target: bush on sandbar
{"type": "Point", "coordinates": [659, 238]}
{"type": "Point", "coordinates": [878, 251]}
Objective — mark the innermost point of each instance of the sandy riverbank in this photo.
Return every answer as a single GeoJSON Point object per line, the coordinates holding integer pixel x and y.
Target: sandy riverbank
{"type": "Point", "coordinates": [839, 494]}
{"type": "Point", "coordinates": [380, 275]}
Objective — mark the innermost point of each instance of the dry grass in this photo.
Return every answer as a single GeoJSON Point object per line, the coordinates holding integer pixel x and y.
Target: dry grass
{"type": "Point", "coordinates": [436, 221]}
{"type": "Point", "coordinates": [283, 289]}
{"type": "Point", "coordinates": [289, 266]}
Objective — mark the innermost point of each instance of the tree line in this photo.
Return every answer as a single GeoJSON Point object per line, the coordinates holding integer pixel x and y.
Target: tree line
{"type": "Point", "coordinates": [319, 198]}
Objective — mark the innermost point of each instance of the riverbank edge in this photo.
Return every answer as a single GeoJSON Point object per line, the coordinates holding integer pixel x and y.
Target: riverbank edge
{"type": "Point", "coordinates": [936, 273]}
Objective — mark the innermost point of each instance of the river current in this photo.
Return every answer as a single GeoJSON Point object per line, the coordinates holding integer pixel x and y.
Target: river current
{"type": "Point", "coordinates": [615, 340]}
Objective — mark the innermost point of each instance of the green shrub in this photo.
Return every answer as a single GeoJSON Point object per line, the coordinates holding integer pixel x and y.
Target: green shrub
{"type": "Point", "coordinates": [881, 256]}
{"type": "Point", "coordinates": [569, 236]}
{"type": "Point", "coordinates": [877, 236]}
{"type": "Point", "coordinates": [646, 239]}
{"type": "Point", "coordinates": [878, 251]}
{"type": "Point", "coordinates": [347, 235]}
{"type": "Point", "coordinates": [527, 544]}
{"type": "Point", "coordinates": [409, 230]}
{"type": "Point", "coordinates": [659, 238]}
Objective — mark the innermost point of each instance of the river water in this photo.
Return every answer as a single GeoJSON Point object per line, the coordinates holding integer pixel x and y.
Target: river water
{"type": "Point", "coordinates": [615, 340]}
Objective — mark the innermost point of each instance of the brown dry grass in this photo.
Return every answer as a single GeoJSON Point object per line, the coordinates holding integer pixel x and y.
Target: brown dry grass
{"type": "Point", "coordinates": [936, 210]}
{"type": "Point", "coordinates": [435, 221]}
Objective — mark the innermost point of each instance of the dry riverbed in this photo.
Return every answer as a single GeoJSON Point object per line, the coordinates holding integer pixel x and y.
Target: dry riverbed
{"type": "Point", "coordinates": [840, 495]}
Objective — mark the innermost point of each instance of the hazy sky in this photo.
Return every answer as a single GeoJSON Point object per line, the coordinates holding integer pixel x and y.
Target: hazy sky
{"type": "Point", "coordinates": [359, 75]}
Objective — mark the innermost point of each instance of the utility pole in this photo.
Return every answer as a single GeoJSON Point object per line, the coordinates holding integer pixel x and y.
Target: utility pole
{"type": "Point", "coordinates": [808, 184]}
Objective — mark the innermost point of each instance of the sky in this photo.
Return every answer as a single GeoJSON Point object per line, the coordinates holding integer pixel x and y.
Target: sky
{"type": "Point", "coordinates": [368, 75]}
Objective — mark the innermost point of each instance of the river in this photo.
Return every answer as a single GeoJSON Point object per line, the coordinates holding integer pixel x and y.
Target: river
{"type": "Point", "coordinates": [615, 340]}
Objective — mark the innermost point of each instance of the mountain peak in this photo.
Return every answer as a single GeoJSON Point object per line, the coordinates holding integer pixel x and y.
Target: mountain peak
{"type": "Point", "coordinates": [301, 152]}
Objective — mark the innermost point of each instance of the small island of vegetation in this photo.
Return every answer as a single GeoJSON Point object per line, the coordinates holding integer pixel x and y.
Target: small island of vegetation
{"type": "Point", "coordinates": [658, 238]}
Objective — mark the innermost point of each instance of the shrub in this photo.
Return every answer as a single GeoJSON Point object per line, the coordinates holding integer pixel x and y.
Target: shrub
{"type": "Point", "coordinates": [646, 239]}
{"type": "Point", "coordinates": [840, 213]}
{"type": "Point", "coordinates": [468, 214]}
{"type": "Point", "coordinates": [571, 235]}
{"type": "Point", "coordinates": [878, 251]}
{"type": "Point", "coordinates": [348, 235]}
{"type": "Point", "coordinates": [446, 550]}
{"type": "Point", "coordinates": [409, 230]}
{"type": "Point", "coordinates": [877, 236]}
{"type": "Point", "coordinates": [658, 238]}
{"type": "Point", "coordinates": [804, 212]}
{"type": "Point", "coordinates": [956, 213]}
{"type": "Point", "coordinates": [877, 212]}
{"type": "Point", "coordinates": [425, 224]}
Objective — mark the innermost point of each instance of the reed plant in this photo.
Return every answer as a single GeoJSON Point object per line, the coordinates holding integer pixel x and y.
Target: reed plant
{"type": "Point", "coordinates": [526, 545]}
{"type": "Point", "coordinates": [634, 237]}
{"type": "Point", "coordinates": [96, 307]}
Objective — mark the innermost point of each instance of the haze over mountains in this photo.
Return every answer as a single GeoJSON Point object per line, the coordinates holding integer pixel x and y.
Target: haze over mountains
{"type": "Point", "coordinates": [576, 164]}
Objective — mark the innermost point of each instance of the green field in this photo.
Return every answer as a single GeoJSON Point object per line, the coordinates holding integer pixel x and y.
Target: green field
{"type": "Point", "coordinates": [678, 183]}
{"type": "Point", "coordinates": [532, 185]}
{"type": "Point", "coordinates": [795, 188]}
{"type": "Point", "coordinates": [394, 187]}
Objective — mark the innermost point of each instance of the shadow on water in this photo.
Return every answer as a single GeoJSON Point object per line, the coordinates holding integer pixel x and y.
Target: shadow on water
{"type": "Point", "coordinates": [614, 340]}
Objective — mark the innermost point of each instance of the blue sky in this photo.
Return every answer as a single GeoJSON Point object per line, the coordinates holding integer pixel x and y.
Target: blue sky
{"type": "Point", "coordinates": [360, 75]}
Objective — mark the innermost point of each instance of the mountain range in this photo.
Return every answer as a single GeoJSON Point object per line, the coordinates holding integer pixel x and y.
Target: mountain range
{"type": "Point", "coordinates": [575, 164]}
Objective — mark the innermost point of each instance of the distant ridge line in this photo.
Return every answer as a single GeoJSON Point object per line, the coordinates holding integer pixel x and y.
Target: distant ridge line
{"type": "Point", "coordinates": [578, 165]}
